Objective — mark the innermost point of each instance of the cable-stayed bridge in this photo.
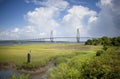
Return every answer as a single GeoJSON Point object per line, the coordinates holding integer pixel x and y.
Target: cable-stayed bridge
{"type": "Point", "coordinates": [46, 40]}
{"type": "Point", "coordinates": [62, 38]}
{"type": "Point", "coordinates": [52, 38]}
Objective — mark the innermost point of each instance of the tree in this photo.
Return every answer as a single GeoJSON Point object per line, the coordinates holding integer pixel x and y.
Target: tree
{"type": "Point", "coordinates": [116, 41]}
{"type": "Point", "coordinates": [88, 42]}
{"type": "Point", "coordinates": [106, 40]}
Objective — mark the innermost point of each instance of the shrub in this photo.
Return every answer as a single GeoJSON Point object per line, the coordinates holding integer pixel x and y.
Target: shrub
{"type": "Point", "coordinates": [98, 53]}
{"type": "Point", "coordinates": [96, 70]}
{"type": "Point", "coordinates": [106, 66]}
{"type": "Point", "coordinates": [88, 42]}
{"type": "Point", "coordinates": [63, 71]}
{"type": "Point", "coordinates": [105, 47]}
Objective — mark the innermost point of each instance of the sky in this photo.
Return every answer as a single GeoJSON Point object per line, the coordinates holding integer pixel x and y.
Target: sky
{"type": "Point", "coordinates": [28, 19]}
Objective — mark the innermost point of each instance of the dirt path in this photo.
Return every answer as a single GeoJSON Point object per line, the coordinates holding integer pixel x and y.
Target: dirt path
{"type": "Point", "coordinates": [44, 74]}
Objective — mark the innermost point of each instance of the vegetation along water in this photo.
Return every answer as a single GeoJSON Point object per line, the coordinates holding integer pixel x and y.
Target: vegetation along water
{"type": "Point", "coordinates": [96, 59]}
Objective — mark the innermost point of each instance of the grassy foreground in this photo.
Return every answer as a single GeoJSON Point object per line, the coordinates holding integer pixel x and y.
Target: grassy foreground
{"type": "Point", "coordinates": [42, 53]}
{"type": "Point", "coordinates": [105, 65]}
{"type": "Point", "coordinates": [73, 61]}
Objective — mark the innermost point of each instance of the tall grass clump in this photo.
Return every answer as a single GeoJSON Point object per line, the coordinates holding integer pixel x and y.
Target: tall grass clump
{"type": "Point", "coordinates": [20, 76]}
{"type": "Point", "coordinates": [63, 71]}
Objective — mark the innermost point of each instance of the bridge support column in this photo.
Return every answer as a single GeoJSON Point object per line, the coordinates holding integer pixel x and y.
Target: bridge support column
{"type": "Point", "coordinates": [51, 36]}
{"type": "Point", "coordinates": [78, 36]}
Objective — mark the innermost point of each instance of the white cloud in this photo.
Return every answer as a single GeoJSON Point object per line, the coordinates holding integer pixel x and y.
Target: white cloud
{"type": "Point", "coordinates": [44, 19]}
{"type": "Point", "coordinates": [76, 17]}
{"type": "Point", "coordinates": [15, 30]}
{"type": "Point", "coordinates": [104, 24]}
{"type": "Point", "coordinates": [92, 19]}
{"type": "Point", "coordinates": [105, 2]}
{"type": "Point", "coordinates": [61, 4]}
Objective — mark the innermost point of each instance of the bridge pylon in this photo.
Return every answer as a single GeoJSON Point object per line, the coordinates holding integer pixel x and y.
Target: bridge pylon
{"type": "Point", "coordinates": [51, 36]}
{"type": "Point", "coordinates": [78, 36]}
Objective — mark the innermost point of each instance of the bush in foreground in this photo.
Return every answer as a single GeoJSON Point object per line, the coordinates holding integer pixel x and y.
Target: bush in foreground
{"type": "Point", "coordinates": [105, 65]}
{"type": "Point", "coordinates": [96, 70]}
{"type": "Point", "coordinates": [63, 71]}
{"type": "Point", "coordinates": [99, 52]}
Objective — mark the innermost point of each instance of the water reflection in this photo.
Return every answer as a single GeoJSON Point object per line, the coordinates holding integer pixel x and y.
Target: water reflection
{"type": "Point", "coordinates": [5, 74]}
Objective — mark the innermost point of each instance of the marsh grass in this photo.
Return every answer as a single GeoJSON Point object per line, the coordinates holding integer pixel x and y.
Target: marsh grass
{"type": "Point", "coordinates": [41, 54]}
{"type": "Point", "coordinates": [20, 76]}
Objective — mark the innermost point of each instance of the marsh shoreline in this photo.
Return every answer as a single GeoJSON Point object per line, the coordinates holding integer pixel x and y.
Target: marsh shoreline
{"type": "Point", "coordinates": [34, 73]}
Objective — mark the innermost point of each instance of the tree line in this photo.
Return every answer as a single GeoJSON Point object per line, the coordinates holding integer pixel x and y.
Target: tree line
{"type": "Point", "coordinates": [115, 41]}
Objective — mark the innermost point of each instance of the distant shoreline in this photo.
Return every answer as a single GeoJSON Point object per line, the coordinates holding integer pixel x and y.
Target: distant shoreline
{"type": "Point", "coordinates": [16, 42]}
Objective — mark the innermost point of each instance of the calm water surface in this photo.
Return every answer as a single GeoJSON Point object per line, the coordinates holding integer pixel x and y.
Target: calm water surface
{"type": "Point", "coordinates": [5, 74]}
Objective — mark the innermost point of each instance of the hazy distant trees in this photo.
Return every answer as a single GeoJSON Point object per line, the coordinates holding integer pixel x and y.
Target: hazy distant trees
{"type": "Point", "coordinates": [104, 41]}
{"type": "Point", "coordinates": [116, 41]}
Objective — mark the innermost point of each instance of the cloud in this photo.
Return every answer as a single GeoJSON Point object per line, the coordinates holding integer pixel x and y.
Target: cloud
{"type": "Point", "coordinates": [92, 19]}
{"type": "Point", "coordinates": [63, 19]}
{"type": "Point", "coordinates": [61, 4]}
{"type": "Point", "coordinates": [40, 21]}
{"type": "Point", "coordinates": [107, 22]}
{"type": "Point", "coordinates": [77, 17]}
{"type": "Point", "coordinates": [43, 18]}
{"type": "Point", "coordinates": [116, 13]}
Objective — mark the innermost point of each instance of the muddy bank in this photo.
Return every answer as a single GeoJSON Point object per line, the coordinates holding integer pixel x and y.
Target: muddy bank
{"type": "Point", "coordinates": [38, 73]}
{"type": "Point", "coordinates": [7, 66]}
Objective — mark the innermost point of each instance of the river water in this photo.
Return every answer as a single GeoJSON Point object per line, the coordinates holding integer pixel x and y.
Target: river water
{"type": "Point", "coordinates": [6, 74]}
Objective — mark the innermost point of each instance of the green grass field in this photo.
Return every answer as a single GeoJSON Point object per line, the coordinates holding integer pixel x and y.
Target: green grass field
{"type": "Point", "coordinates": [42, 53]}
{"type": "Point", "coordinates": [72, 61]}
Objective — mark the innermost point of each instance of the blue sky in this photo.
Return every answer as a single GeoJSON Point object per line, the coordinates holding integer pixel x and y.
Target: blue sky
{"type": "Point", "coordinates": [21, 18]}
{"type": "Point", "coordinates": [87, 3]}
{"type": "Point", "coordinates": [13, 11]}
